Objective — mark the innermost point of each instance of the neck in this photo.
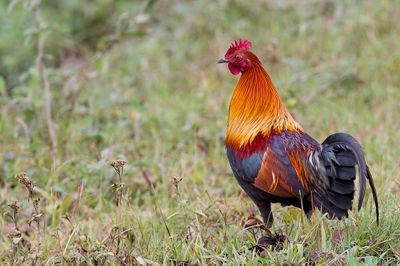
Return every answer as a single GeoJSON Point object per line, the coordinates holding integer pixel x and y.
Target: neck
{"type": "Point", "coordinates": [256, 108]}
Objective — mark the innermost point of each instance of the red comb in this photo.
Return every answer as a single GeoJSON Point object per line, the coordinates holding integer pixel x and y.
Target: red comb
{"type": "Point", "coordinates": [238, 45]}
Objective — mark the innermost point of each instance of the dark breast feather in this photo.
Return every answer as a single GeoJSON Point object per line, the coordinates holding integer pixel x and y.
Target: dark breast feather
{"type": "Point", "coordinates": [246, 162]}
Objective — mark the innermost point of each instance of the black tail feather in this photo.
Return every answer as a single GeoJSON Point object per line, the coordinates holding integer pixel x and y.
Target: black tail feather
{"type": "Point", "coordinates": [374, 194]}
{"type": "Point", "coordinates": [342, 187]}
{"type": "Point", "coordinates": [344, 143]}
{"type": "Point", "coordinates": [341, 153]}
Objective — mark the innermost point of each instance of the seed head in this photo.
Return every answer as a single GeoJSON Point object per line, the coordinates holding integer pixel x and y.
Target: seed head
{"type": "Point", "coordinates": [24, 179]}
{"type": "Point", "coordinates": [14, 233]}
{"type": "Point", "coordinates": [7, 214]}
{"type": "Point", "coordinates": [14, 206]}
{"type": "Point", "coordinates": [118, 163]}
{"type": "Point", "coordinates": [27, 182]}
{"type": "Point", "coordinates": [176, 180]}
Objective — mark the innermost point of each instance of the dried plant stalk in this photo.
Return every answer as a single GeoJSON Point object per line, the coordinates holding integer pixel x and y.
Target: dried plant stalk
{"type": "Point", "coordinates": [46, 84]}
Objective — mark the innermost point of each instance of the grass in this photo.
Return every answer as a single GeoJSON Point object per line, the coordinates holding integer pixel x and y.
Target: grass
{"type": "Point", "coordinates": [159, 101]}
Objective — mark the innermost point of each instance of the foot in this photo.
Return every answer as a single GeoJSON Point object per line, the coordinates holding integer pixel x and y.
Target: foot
{"type": "Point", "coordinates": [274, 241]}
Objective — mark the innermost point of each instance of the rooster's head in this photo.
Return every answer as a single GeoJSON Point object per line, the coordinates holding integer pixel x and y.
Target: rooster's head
{"type": "Point", "coordinates": [237, 57]}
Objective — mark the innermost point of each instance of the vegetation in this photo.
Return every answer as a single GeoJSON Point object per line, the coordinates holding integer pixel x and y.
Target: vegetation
{"type": "Point", "coordinates": [139, 174]}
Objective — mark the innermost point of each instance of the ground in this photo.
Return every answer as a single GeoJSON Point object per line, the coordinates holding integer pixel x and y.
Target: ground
{"type": "Point", "coordinates": [158, 100]}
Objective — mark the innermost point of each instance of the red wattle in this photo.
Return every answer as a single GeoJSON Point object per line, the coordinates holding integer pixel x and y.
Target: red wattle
{"type": "Point", "coordinates": [233, 69]}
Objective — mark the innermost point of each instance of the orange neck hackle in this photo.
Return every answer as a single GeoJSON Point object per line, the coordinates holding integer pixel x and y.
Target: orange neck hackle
{"type": "Point", "coordinates": [256, 108]}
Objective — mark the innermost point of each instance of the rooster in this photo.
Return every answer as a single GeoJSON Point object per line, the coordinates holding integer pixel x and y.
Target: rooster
{"type": "Point", "coordinates": [275, 161]}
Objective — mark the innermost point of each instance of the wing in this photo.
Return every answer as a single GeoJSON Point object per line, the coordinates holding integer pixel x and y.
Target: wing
{"type": "Point", "coordinates": [282, 172]}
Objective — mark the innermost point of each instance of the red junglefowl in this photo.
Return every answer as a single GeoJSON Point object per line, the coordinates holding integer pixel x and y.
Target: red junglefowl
{"type": "Point", "coordinates": [274, 160]}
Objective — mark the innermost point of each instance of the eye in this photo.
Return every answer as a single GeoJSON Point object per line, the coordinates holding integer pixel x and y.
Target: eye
{"type": "Point", "coordinates": [237, 56]}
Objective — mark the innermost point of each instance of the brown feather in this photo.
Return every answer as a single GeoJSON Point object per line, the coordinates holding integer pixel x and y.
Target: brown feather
{"type": "Point", "coordinates": [272, 176]}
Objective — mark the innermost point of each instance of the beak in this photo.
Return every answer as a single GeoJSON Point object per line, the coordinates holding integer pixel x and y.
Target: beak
{"type": "Point", "coordinates": [222, 61]}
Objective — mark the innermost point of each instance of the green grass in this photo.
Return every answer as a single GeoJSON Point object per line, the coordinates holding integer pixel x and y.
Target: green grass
{"type": "Point", "coordinates": [159, 101]}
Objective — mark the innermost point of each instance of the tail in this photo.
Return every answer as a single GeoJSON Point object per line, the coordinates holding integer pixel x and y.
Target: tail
{"type": "Point", "coordinates": [341, 153]}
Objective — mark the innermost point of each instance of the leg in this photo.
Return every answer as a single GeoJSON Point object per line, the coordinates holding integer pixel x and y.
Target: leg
{"type": "Point", "coordinates": [269, 239]}
{"type": "Point", "coordinates": [265, 210]}
{"type": "Point", "coordinates": [307, 207]}
{"type": "Point", "coordinates": [261, 199]}
{"type": "Point", "coordinates": [263, 202]}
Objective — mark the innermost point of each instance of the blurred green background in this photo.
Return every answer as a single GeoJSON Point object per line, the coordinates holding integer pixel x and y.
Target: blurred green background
{"type": "Point", "coordinates": [138, 80]}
